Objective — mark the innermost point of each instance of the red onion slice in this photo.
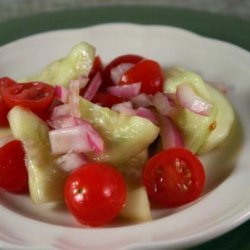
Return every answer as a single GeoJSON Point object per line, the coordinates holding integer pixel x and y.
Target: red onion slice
{"type": "Point", "coordinates": [188, 99]}
{"type": "Point", "coordinates": [125, 91]}
{"type": "Point", "coordinates": [80, 138]}
{"type": "Point", "coordinates": [62, 94]}
{"type": "Point", "coordinates": [170, 135]}
{"type": "Point", "coordinates": [125, 108]}
{"type": "Point", "coordinates": [163, 104]}
{"type": "Point", "coordinates": [61, 110]}
{"type": "Point", "coordinates": [117, 72]}
{"type": "Point", "coordinates": [74, 90]}
{"type": "Point", "coordinates": [148, 114]}
{"type": "Point", "coordinates": [142, 100]}
{"type": "Point", "coordinates": [93, 87]}
{"type": "Point", "coordinates": [70, 161]}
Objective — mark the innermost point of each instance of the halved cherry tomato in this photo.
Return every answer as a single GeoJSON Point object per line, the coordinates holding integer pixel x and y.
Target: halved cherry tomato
{"type": "Point", "coordinates": [174, 177]}
{"type": "Point", "coordinates": [97, 67]}
{"type": "Point", "coordinates": [35, 96]}
{"type": "Point", "coordinates": [129, 58]}
{"type": "Point", "coordinates": [4, 83]}
{"type": "Point", "coordinates": [148, 73]}
{"type": "Point", "coordinates": [13, 172]}
{"type": "Point", "coordinates": [106, 100]}
{"type": "Point", "coordinates": [95, 193]}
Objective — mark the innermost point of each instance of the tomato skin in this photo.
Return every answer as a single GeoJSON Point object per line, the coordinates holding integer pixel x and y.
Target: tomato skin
{"type": "Point", "coordinates": [35, 96]}
{"type": "Point", "coordinates": [128, 58]}
{"type": "Point", "coordinates": [95, 193]}
{"type": "Point", "coordinates": [174, 177]}
{"type": "Point", "coordinates": [13, 172]}
{"type": "Point", "coordinates": [4, 83]}
{"type": "Point", "coordinates": [97, 67]}
{"type": "Point", "coordinates": [149, 73]}
{"type": "Point", "coordinates": [106, 99]}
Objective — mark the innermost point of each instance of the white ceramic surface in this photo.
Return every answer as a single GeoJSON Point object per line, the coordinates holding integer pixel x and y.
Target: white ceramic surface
{"type": "Point", "coordinates": [226, 202]}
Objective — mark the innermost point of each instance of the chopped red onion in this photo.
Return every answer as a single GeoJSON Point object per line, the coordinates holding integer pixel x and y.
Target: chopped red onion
{"type": "Point", "coordinates": [125, 91]}
{"type": "Point", "coordinates": [61, 110]}
{"type": "Point", "coordinates": [117, 72]}
{"type": "Point", "coordinates": [142, 100]}
{"type": "Point", "coordinates": [162, 104]}
{"type": "Point", "coordinates": [74, 90]}
{"type": "Point", "coordinates": [170, 135]}
{"type": "Point", "coordinates": [80, 138]}
{"type": "Point", "coordinates": [70, 161]}
{"type": "Point", "coordinates": [148, 114]}
{"type": "Point", "coordinates": [93, 87]}
{"type": "Point", "coordinates": [125, 108]}
{"type": "Point", "coordinates": [62, 94]}
{"type": "Point", "coordinates": [188, 99]}
{"type": "Point", "coordinates": [64, 122]}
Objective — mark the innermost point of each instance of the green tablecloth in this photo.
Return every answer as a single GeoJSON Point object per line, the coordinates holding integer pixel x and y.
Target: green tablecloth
{"type": "Point", "coordinates": [221, 27]}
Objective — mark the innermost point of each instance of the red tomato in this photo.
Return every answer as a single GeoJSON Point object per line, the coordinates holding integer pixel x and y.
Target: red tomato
{"type": "Point", "coordinates": [13, 173]}
{"type": "Point", "coordinates": [95, 193]}
{"type": "Point", "coordinates": [106, 100]}
{"type": "Point", "coordinates": [148, 72]}
{"type": "Point", "coordinates": [121, 59]}
{"type": "Point", "coordinates": [4, 83]}
{"type": "Point", "coordinates": [35, 96]}
{"type": "Point", "coordinates": [97, 67]}
{"type": "Point", "coordinates": [174, 177]}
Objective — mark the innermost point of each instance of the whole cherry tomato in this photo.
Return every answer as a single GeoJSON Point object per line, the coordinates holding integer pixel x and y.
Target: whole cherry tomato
{"type": "Point", "coordinates": [174, 177]}
{"type": "Point", "coordinates": [95, 193]}
{"type": "Point", "coordinates": [13, 172]}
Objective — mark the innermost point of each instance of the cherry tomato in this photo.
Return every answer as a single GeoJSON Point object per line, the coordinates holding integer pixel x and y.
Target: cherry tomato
{"type": "Point", "coordinates": [35, 96]}
{"type": "Point", "coordinates": [174, 177]}
{"type": "Point", "coordinates": [4, 83]}
{"type": "Point", "coordinates": [106, 100]}
{"type": "Point", "coordinates": [148, 72]}
{"type": "Point", "coordinates": [121, 59]}
{"type": "Point", "coordinates": [97, 67]}
{"type": "Point", "coordinates": [95, 193]}
{"type": "Point", "coordinates": [13, 172]}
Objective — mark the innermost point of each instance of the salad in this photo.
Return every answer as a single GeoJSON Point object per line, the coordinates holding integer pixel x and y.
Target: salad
{"type": "Point", "coordinates": [109, 141]}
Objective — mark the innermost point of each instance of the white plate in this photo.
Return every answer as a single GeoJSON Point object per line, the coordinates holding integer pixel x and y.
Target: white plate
{"type": "Point", "coordinates": [226, 202]}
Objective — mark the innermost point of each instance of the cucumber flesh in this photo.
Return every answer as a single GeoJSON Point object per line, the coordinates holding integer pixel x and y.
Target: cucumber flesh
{"type": "Point", "coordinates": [76, 64]}
{"type": "Point", "coordinates": [46, 178]}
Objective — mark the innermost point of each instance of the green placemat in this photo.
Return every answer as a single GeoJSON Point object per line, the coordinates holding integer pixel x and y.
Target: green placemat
{"type": "Point", "coordinates": [221, 27]}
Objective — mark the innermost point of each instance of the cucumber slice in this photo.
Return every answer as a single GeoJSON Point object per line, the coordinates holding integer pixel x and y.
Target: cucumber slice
{"type": "Point", "coordinates": [194, 128]}
{"type": "Point", "coordinates": [76, 64]}
{"type": "Point", "coordinates": [224, 120]}
{"type": "Point", "coordinates": [124, 136]}
{"type": "Point", "coordinates": [46, 179]}
{"type": "Point", "coordinates": [137, 207]}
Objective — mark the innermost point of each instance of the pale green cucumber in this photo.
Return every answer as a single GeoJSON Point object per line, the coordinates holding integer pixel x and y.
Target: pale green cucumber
{"type": "Point", "coordinates": [223, 122]}
{"type": "Point", "coordinates": [76, 64]}
{"type": "Point", "coordinates": [124, 136]}
{"type": "Point", "coordinates": [46, 178]}
{"type": "Point", "coordinates": [194, 128]}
